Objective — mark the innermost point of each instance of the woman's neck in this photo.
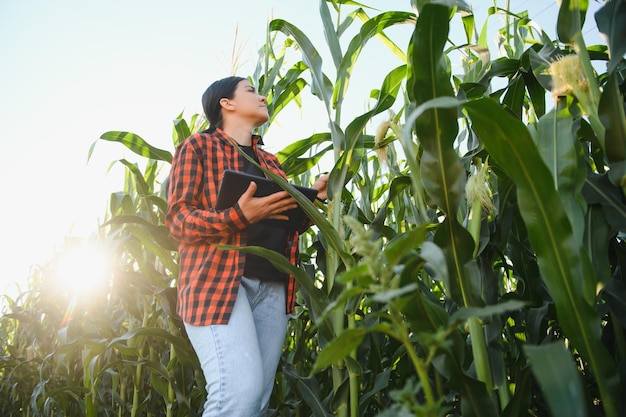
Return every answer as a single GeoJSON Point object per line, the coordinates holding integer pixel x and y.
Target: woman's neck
{"type": "Point", "coordinates": [240, 133]}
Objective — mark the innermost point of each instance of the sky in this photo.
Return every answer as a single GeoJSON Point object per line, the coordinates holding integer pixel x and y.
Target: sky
{"type": "Point", "coordinates": [71, 70]}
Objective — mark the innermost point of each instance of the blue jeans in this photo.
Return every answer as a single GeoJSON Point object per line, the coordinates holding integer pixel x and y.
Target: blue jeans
{"type": "Point", "coordinates": [239, 359]}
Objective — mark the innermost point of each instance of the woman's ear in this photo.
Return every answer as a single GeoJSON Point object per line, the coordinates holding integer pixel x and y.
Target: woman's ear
{"type": "Point", "coordinates": [226, 104]}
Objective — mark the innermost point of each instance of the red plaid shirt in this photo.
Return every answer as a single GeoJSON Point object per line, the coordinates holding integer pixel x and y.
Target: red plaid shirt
{"type": "Point", "coordinates": [209, 277]}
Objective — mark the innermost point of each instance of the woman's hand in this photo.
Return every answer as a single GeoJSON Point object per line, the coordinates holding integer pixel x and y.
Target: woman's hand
{"type": "Point", "coordinates": [320, 186]}
{"type": "Point", "coordinates": [270, 207]}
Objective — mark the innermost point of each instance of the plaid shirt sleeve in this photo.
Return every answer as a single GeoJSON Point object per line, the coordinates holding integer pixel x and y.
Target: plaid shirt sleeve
{"type": "Point", "coordinates": [192, 190]}
{"type": "Point", "coordinates": [209, 277]}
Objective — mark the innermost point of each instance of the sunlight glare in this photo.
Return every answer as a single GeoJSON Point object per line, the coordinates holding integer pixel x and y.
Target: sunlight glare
{"type": "Point", "coordinates": [83, 269]}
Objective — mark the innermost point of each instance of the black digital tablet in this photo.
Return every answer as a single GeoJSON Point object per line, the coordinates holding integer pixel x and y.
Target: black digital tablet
{"type": "Point", "coordinates": [235, 183]}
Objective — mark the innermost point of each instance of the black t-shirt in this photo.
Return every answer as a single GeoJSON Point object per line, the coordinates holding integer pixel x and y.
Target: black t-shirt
{"type": "Point", "coordinates": [274, 238]}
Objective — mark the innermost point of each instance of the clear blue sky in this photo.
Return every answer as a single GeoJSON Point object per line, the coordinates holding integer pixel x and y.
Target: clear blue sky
{"type": "Point", "coordinates": [73, 69]}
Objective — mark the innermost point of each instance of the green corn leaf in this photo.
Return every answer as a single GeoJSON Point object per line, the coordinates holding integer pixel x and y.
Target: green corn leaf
{"type": "Point", "coordinates": [370, 28]}
{"type": "Point", "coordinates": [598, 189]}
{"type": "Point", "coordinates": [597, 241]}
{"type": "Point", "coordinates": [404, 243]}
{"type": "Point", "coordinates": [297, 166]}
{"type": "Point", "coordinates": [389, 295]}
{"type": "Point", "coordinates": [429, 75]}
{"type": "Point", "coordinates": [611, 21]}
{"type": "Point", "coordinates": [475, 400]}
{"type": "Point", "coordinates": [300, 147]}
{"type": "Point", "coordinates": [361, 274]}
{"type": "Point", "coordinates": [465, 313]}
{"type": "Point", "coordinates": [312, 212]}
{"type": "Point", "coordinates": [316, 217]}
{"type": "Point", "coordinates": [457, 244]}
{"type": "Point", "coordinates": [146, 237]}
{"type": "Point", "coordinates": [350, 159]}
{"type": "Point", "coordinates": [321, 85]}
{"type": "Point", "coordinates": [181, 130]}
{"type": "Point", "coordinates": [158, 232]}
{"type": "Point", "coordinates": [440, 170]}
{"type": "Point", "coordinates": [559, 379]}
{"type": "Point", "coordinates": [160, 384]}
{"type": "Point", "coordinates": [480, 63]}
{"type": "Point", "coordinates": [565, 268]}
{"type": "Point", "coordinates": [267, 81]}
{"type": "Point", "coordinates": [611, 112]}
{"type": "Point", "coordinates": [559, 149]}
{"type": "Point", "coordinates": [514, 96]}
{"type": "Point", "coordinates": [397, 186]}
{"type": "Point", "coordinates": [540, 61]}
{"type": "Point", "coordinates": [535, 90]}
{"type": "Point", "coordinates": [468, 25]}
{"type": "Point", "coordinates": [339, 348]}
{"type": "Point", "coordinates": [382, 37]}
{"type": "Point", "coordinates": [615, 295]}
{"type": "Point", "coordinates": [158, 202]}
{"type": "Point", "coordinates": [319, 300]}
{"type": "Point", "coordinates": [292, 75]}
{"type": "Point", "coordinates": [181, 344]}
{"type": "Point", "coordinates": [571, 19]}
{"type": "Point", "coordinates": [286, 90]}
{"type": "Point", "coordinates": [435, 260]}
{"type": "Point", "coordinates": [140, 182]}
{"type": "Point", "coordinates": [290, 93]}
{"type": "Point", "coordinates": [381, 382]}
{"type": "Point", "coordinates": [520, 403]}
{"type": "Point", "coordinates": [289, 157]}
{"type": "Point", "coordinates": [136, 144]}
{"type": "Point", "coordinates": [310, 390]}
{"type": "Point", "coordinates": [332, 39]}
{"type": "Point", "coordinates": [423, 314]}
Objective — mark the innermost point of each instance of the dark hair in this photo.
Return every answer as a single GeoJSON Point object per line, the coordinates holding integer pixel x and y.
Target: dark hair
{"type": "Point", "coordinates": [224, 88]}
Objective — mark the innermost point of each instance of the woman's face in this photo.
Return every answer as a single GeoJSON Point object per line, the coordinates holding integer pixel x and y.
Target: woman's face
{"type": "Point", "coordinates": [249, 104]}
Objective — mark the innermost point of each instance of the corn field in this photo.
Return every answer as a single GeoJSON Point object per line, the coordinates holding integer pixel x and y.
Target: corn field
{"type": "Point", "coordinates": [470, 259]}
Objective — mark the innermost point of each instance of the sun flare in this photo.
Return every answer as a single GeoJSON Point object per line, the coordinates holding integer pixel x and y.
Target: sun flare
{"type": "Point", "coordinates": [83, 269]}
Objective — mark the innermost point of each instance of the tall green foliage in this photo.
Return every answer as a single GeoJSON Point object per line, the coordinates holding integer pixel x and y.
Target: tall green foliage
{"type": "Point", "coordinates": [469, 260]}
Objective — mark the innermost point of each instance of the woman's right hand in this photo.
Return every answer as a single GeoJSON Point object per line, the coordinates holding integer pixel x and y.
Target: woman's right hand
{"type": "Point", "coordinates": [270, 207]}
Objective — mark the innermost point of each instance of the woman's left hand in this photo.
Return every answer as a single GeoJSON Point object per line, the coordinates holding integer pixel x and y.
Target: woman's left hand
{"type": "Point", "coordinates": [320, 186]}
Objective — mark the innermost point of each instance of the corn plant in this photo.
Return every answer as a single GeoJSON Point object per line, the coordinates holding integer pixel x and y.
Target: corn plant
{"type": "Point", "coordinates": [512, 144]}
{"type": "Point", "coordinates": [469, 260]}
{"type": "Point", "coordinates": [122, 352]}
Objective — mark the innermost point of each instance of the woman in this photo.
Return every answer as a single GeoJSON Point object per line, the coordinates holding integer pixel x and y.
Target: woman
{"type": "Point", "coordinates": [234, 305]}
